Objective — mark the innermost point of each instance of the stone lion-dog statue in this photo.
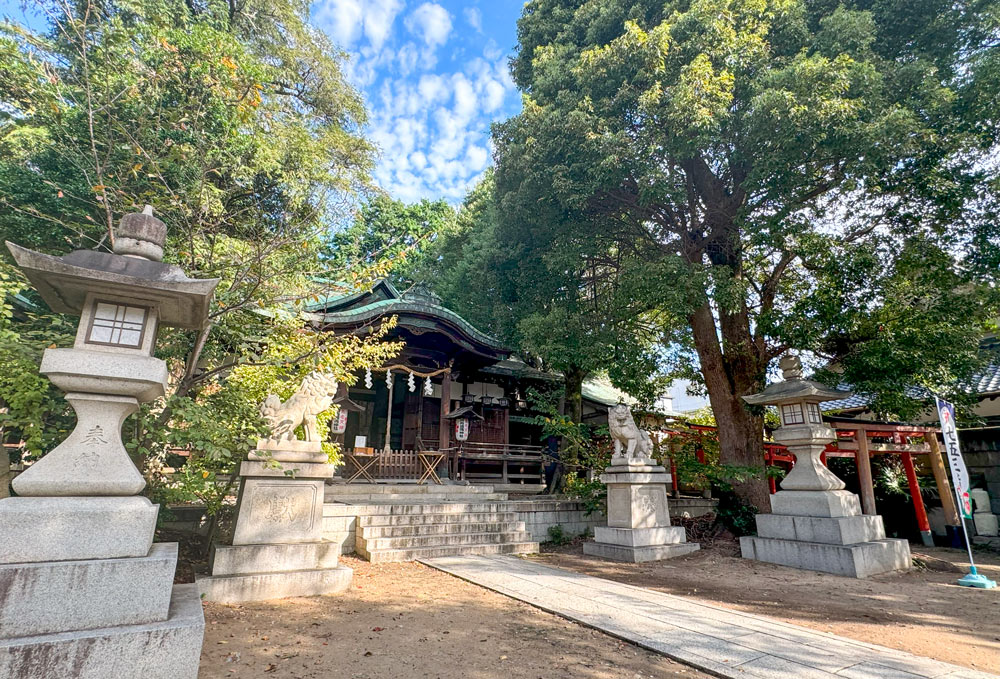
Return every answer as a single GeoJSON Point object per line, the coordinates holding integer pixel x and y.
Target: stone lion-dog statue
{"type": "Point", "coordinates": [313, 397]}
{"type": "Point", "coordinates": [635, 443]}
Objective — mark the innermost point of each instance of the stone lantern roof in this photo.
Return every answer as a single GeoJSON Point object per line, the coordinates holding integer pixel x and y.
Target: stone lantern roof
{"type": "Point", "coordinates": [794, 388]}
{"type": "Point", "coordinates": [132, 270]}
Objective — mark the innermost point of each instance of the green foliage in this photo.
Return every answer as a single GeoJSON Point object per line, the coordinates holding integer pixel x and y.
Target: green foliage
{"type": "Point", "coordinates": [745, 178]}
{"type": "Point", "coordinates": [560, 307]}
{"type": "Point", "coordinates": [739, 516]}
{"type": "Point", "coordinates": [592, 494]}
{"type": "Point", "coordinates": [235, 122]}
{"type": "Point", "coordinates": [557, 536]}
{"type": "Point", "coordinates": [391, 238]}
{"type": "Point", "coordinates": [710, 472]}
{"type": "Point", "coordinates": [33, 410]}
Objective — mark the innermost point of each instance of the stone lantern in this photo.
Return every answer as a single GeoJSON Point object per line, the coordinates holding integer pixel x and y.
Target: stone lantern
{"type": "Point", "coordinates": [816, 524]}
{"type": "Point", "coordinates": [90, 594]}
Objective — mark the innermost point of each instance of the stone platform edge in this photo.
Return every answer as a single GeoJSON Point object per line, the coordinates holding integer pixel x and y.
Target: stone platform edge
{"type": "Point", "coordinates": [233, 589]}
{"type": "Point", "coordinates": [170, 649]}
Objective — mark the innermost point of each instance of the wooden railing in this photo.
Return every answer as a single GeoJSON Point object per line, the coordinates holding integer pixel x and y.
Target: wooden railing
{"type": "Point", "coordinates": [501, 462]}
{"type": "Point", "coordinates": [474, 462]}
{"type": "Point", "coordinates": [394, 465]}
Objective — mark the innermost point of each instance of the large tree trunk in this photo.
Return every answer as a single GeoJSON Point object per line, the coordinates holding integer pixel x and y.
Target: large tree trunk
{"type": "Point", "coordinates": [572, 406]}
{"type": "Point", "coordinates": [574, 377]}
{"type": "Point", "coordinates": [728, 378]}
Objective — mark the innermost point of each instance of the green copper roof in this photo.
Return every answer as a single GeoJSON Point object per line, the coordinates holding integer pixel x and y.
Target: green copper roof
{"type": "Point", "coordinates": [419, 301]}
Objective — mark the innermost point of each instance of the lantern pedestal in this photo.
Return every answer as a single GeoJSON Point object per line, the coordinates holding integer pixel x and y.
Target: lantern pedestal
{"type": "Point", "coordinates": [638, 517]}
{"type": "Point", "coordinates": [824, 530]}
{"type": "Point", "coordinates": [278, 550]}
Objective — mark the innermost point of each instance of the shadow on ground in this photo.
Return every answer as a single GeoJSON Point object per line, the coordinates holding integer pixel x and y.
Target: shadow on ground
{"type": "Point", "coordinates": [401, 621]}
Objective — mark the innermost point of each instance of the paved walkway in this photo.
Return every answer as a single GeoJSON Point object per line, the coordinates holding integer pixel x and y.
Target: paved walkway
{"type": "Point", "coordinates": [717, 640]}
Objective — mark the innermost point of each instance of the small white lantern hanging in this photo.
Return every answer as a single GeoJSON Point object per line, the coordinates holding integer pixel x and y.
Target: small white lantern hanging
{"type": "Point", "coordinates": [462, 427]}
{"type": "Point", "coordinates": [411, 382]}
{"type": "Point", "coordinates": [368, 378]}
{"type": "Point", "coordinates": [340, 422]}
{"type": "Point", "coordinates": [427, 387]}
{"type": "Point", "coordinates": [388, 378]}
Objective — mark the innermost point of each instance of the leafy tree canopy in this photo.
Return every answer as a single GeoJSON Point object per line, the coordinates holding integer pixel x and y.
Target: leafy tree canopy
{"type": "Point", "coordinates": [763, 175]}
{"type": "Point", "coordinates": [234, 121]}
{"type": "Point", "coordinates": [389, 231]}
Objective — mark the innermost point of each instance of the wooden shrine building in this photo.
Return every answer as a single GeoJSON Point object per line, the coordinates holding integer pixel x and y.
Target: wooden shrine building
{"type": "Point", "coordinates": [471, 376]}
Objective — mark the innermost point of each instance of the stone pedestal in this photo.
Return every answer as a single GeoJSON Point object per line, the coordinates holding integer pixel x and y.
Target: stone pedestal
{"type": "Point", "coordinates": [983, 518]}
{"type": "Point", "coordinates": [88, 595]}
{"type": "Point", "coordinates": [638, 517]}
{"type": "Point", "coordinates": [278, 550]}
{"type": "Point", "coordinates": [824, 530]}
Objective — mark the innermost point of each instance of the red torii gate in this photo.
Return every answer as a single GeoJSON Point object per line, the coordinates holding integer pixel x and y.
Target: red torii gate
{"type": "Point", "coordinates": [854, 441]}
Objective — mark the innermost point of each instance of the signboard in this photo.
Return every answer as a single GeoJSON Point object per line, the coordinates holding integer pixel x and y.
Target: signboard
{"type": "Point", "coordinates": [959, 474]}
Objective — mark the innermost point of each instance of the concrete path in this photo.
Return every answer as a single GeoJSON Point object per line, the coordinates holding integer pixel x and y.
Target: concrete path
{"type": "Point", "coordinates": [717, 640]}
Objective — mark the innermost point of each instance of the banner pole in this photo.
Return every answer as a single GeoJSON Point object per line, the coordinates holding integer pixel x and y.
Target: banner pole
{"type": "Point", "coordinates": [965, 532]}
{"type": "Point", "coordinates": [960, 482]}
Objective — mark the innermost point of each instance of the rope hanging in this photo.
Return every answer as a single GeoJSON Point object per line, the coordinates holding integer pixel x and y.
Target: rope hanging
{"type": "Point", "coordinates": [417, 373]}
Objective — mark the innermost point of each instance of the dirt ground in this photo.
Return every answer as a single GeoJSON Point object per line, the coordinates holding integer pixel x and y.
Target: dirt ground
{"type": "Point", "coordinates": [403, 621]}
{"type": "Point", "coordinates": [923, 612]}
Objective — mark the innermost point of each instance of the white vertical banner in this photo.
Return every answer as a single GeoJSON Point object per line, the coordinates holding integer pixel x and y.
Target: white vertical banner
{"type": "Point", "coordinates": [959, 474]}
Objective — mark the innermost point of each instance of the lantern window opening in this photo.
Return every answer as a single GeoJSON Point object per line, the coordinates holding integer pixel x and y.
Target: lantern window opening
{"type": "Point", "coordinates": [815, 416]}
{"type": "Point", "coordinates": [791, 413]}
{"type": "Point", "coordinates": [117, 324]}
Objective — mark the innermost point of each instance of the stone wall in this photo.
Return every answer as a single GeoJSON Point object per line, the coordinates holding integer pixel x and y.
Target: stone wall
{"type": "Point", "coordinates": [540, 515]}
{"type": "Point", "coordinates": [986, 464]}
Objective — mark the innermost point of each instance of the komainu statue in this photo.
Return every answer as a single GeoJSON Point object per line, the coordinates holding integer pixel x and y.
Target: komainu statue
{"type": "Point", "coordinates": [638, 447]}
{"type": "Point", "coordinates": [313, 397]}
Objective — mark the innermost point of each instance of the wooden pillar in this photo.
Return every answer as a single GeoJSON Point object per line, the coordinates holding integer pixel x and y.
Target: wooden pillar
{"type": "Point", "coordinates": [772, 485]}
{"type": "Point", "coordinates": [674, 487]}
{"type": "Point", "coordinates": [918, 500]}
{"type": "Point", "coordinates": [444, 431]}
{"type": "Point", "coordinates": [951, 517]}
{"type": "Point", "coordinates": [388, 416]}
{"type": "Point", "coordinates": [863, 461]}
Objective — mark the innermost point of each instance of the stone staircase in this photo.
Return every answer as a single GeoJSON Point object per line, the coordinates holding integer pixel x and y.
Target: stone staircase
{"type": "Point", "coordinates": [425, 524]}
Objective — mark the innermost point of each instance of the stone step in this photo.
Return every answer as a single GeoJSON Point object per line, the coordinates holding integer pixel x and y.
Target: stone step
{"type": "Point", "coordinates": [332, 509]}
{"type": "Point", "coordinates": [394, 555]}
{"type": "Point", "coordinates": [446, 540]}
{"type": "Point", "coordinates": [370, 532]}
{"type": "Point", "coordinates": [435, 519]}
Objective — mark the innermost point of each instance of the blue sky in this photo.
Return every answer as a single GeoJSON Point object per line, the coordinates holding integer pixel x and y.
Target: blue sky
{"type": "Point", "coordinates": [434, 76]}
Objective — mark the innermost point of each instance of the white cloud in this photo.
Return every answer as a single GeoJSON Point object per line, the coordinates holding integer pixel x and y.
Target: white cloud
{"type": "Point", "coordinates": [430, 22]}
{"type": "Point", "coordinates": [429, 118]}
{"type": "Point", "coordinates": [347, 20]}
{"type": "Point", "coordinates": [465, 97]}
{"type": "Point", "coordinates": [474, 18]}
